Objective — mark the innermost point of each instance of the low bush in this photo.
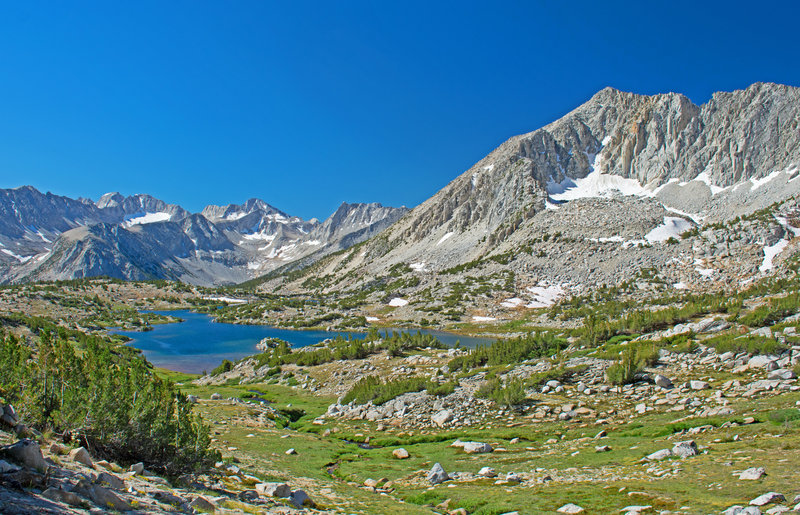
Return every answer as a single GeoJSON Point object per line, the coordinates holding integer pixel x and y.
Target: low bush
{"type": "Point", "coordinates": [512, 393]}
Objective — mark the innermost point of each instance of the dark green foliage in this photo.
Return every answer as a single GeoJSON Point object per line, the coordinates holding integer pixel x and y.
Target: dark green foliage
{"type": "Point", "coordinates": [775, 310]}
{"type": "Point", "coordinates": [375, 389]}
{"type": "Point", "coordinates": [512, 393]}
{"type": "Point", "coordinates": [516, 350]}
{"type": "Point", "coordinates": [108, 398]}
{"type": "Point", "coordinates": [225, 366]}
{"type": "Point", "coordinates": [632, 361]}
{"type": "Point", "coordinates": [729, 342]}
{"type": "Point", "coordinates": [783, 416]}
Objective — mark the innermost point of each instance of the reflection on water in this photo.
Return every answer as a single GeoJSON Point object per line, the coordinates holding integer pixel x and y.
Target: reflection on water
{"type": "Point", "coordinates": [199, 343]}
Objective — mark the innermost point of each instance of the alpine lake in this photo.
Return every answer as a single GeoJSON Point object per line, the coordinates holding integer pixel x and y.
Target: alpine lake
{"type": "Point", "coordinates": [199, 343]}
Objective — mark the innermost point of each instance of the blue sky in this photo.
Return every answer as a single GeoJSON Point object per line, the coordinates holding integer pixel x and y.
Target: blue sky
{"type": "Point", "coordinates": [308, 104]}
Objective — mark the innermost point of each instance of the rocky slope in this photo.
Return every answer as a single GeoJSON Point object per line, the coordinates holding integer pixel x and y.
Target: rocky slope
{"type": "Point", "coordinates": [49, 237]}
{"type": "Point", "coordinates": [623, 184]}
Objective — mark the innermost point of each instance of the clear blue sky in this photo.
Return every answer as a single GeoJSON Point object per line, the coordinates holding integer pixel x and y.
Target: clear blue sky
{"type": "Point", "coordinates": [308, 104]}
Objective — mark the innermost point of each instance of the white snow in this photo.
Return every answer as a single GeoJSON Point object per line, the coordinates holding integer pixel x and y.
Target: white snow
{"type": "Point", "coordinates": [235, 216]}
{"type": "Point", "coordinates": [397, 302]}
{"type": "Point", "coordinates": [146, 218]}
{"type": "Point", "coordinates": [372, 319]}
{"type": "Point", "coordinates": [512, 302]}
{"type": "Point", "coordinates": [312, 242]}
{"type": "Point", "coordinates": [544, 296]}
{"type": "Point", "coordinates": [703, 177]}
{"type": "Point", "coordinates": [445, 237]}
{"type": "Point", "coordinates": [609, 239]}
{"type": "Point", "coordinates": [474, 179]}
{"type": "Point", "coordinates": [417, 267]}
{"type": "Point", "coordinates": [705, 272]}
{"type": "Point", "coordinates": [483, 319]}
{"type": "Point", "coordinates": [596, 184]}
{"type": "Point", "coordinates": [757, 183]}
{"type": "Point", "coordinates": [263, 236]}
{"type": "Point", "coordinates": [606, 140]}
{"type": "Point", "coordinates": [253, 265]}
{"type": "Point", "coordinates": [42, 236]}
{"type": "Point", "coordinates": [673, 227]}
{"type": "Point", "coordinates": [229, 300]}
{"type": "Point", "coordinates": [489, 168]}
{"type": "Point", "coordinates": [549, 205]}
{"type": "Point", "coordinates": [679, 286]}
{"type": "Point", "coordinates": [769, 254]}
{"type": "Point", "coordinates": [21, 259]}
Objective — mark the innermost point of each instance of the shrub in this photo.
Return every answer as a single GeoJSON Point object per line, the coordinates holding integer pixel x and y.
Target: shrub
{"type": "Point", "coordinates": [225, 366]}
{"type": "Point", "coordinates": [512, 393]}
{"type": "Point", "coordinates": [109, 398]}
{"type": "Point", "coordinates": [502, 352]}
{"type": "Point", "coordinates": [783, 416]}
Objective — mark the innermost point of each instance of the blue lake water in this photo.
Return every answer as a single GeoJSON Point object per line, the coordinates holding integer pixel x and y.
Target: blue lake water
{"type": "Point", "coordinates": [198, 343]}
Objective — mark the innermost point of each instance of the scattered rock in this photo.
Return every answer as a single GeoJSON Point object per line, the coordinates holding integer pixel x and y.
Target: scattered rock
{"type": "Point", "coordinates": [216, 397]}
{"type": "Point", "coordinates": [58, 495]}
{"type": "Point", "coordinates": [111, 480]}
{"type": "Point", "coordinates": [202, 504]}
{"type": "Point", "coordinates": [299, 499]}
{"type": "Point", "coordinates": [753, 474]}
{"type": "Point", "coordinates": [699, 385]}
{"type": "Point", "coordinates": [400, 453]}
{"type": "Point", "coordinates": [6, 467]}
{"type": "Point", "coordinates": [477, 447]}
{"type": "Point", "coordinates": [81, 455]}
{"type": "Point", "coordinates": [660, 455]}
{"type": "Point", "coordinates": [291, 451]}
{"type": "Point", "coordinates": [767, 498]}
{"type": "Point", "coordinates": [442, 417]}
{"type": "Point", "coordinates": [602, 448]}
{"type": "Point", "coordinates": [105, 498]}
{"type": "Point", "coordinates": [487, 472]}
{"type": "Point", "coordinates": [685, 449]}
{"type": "Point", "coordinates": [137, 468]}
{"type": "Point", "coordinates": [662, 381]}
{"type": "Point", "coordinates": [570, 509]}
{"type": "Point", "coordinates": [739, 510]}
{"type": "Point", "coordinates": [274, 489]}
{"type": "Point", "coordinates": [437, 475]}
{"type": "Point", "coordinates": [27, 453]}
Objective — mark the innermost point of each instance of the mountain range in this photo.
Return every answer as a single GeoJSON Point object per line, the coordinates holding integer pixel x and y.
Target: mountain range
{"type": "Point", "coordinates": [626, 187]}
{"type": "Point", "coordinates": [651, 190]}
{"type": "Point", "coordinates": [51, 237]}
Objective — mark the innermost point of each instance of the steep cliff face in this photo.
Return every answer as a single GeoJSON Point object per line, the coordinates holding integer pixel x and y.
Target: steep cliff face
{"type": "Point", "coordinates": [656, 155]}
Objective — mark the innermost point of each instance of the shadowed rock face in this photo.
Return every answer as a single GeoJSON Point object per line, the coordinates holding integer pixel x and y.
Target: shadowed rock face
{"type": "Point", "coordinates": [625, 161]}
{"type": "Point", "coordinates": [49, 237]}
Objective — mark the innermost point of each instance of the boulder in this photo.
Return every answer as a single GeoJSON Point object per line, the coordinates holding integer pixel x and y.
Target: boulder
{"type": "Point", "coordinates": [202, 504]}
{"type": "Point", "coordinates": [299, 499]}
{"type": "Point", "coordinates": [81, 455]}
{"type": "Point", "coordinates": [739, 510]}
{"type": "Point", "coordinates": [767, 498]}
{"type": "Point", "coordinates": [782, 374]}
{"type": "Point", "coordinates": [27, 453]}
{"type": "Point", "coordinates": [570, 509]}
{"type": "Point", "coordinates": [62, 496]}
{"type": "Point", "coordinates": [437, 475]}
{"type": "Point", "coordinates": [660, 455]}
{"type": "Point", "coordinates": [685, 449]}
{"type": "Point", "coordinates": [752, 474]}
{"type": "Point", "coordinates": [105, 498]}
{"type": "Point", "coordinates": [487, 472]}
{"type": "Point", "coordinates": [8, 416]}
{"type": "Point", "coordinates": [168, 498]}
{"type": "Point", "coordinates": [477, 447]}
{"type": "Point", "coordinates": [137, 468]}
{"type": "Point", "coordinates": [192, 398]}
{"type": "Point", "coordinates": [699, 385]}
{"type": "Point", "coordinates": [111, 480]}
{"type": "Point", "coordinates": [400, 453]}
{"type": "Point", "coordinates": [442, 417]}
{"type": "Point", "coordinates": [216, 397]}
{"type": "Point", "coordinates": [290, 452]}
{"type": "Point", "coordinates": [274, 489]}
{"type": "Point", "coordinates": [662, 381]}
{"type": "Point", "coordinates": [602, 448]}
